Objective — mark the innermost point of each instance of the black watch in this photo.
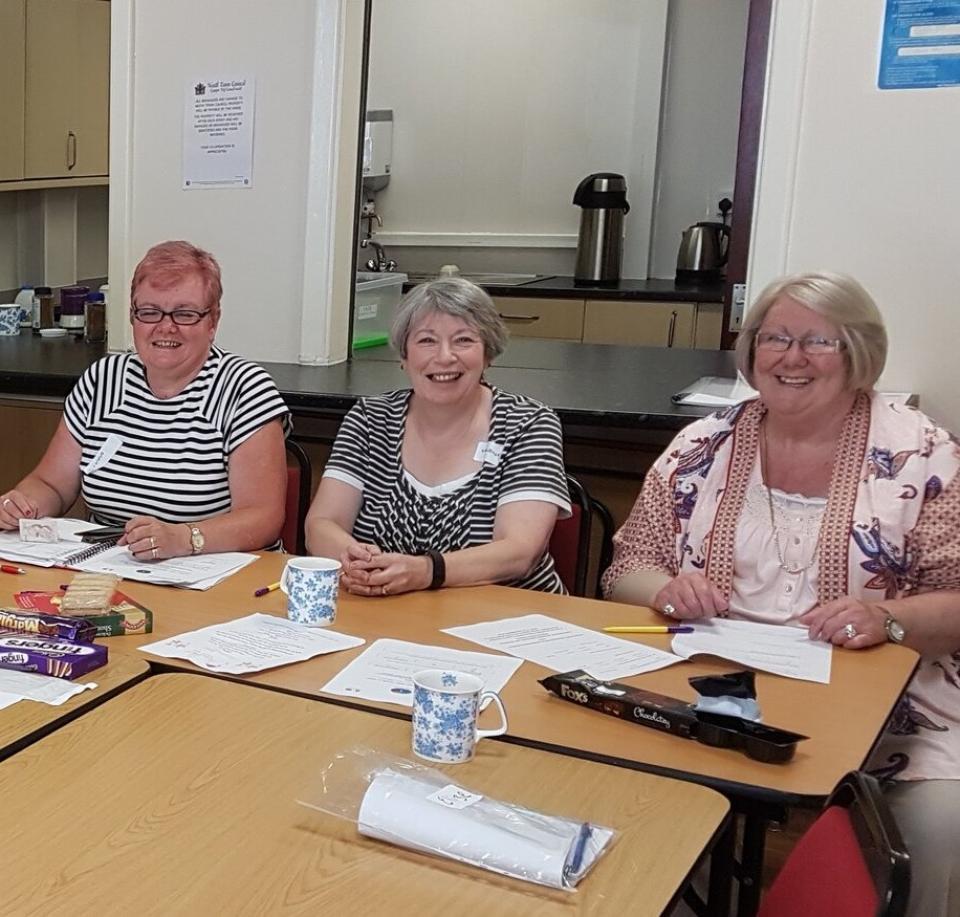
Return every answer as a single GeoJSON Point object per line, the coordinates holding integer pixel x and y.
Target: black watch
{"type": "Point", "coordinates": [439, 569]}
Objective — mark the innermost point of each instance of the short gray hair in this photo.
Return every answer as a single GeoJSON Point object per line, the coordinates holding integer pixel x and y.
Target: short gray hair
{"type": "Point", "coordinates": [451, 296]}
{"type": "Point", "coordinates": [837, 297]}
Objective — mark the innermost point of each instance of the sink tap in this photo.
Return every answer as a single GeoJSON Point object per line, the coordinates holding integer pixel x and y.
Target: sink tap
{"type": "Point", "coordinates": [380, 263]}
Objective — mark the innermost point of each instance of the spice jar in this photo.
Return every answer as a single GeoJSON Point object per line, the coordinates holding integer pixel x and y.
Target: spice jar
{"type": "Point", "coordinates": [95, 314]}
{"type": "Point", "coordinates": [44, 314]}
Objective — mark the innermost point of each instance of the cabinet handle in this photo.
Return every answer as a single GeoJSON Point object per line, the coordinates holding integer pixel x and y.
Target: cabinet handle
{"type": "Point", "coordinates": [525, 319]}
{"type": "Point", "coordinates": [71, 149]}
{"type": "Point", "coordinates": [672, 329]}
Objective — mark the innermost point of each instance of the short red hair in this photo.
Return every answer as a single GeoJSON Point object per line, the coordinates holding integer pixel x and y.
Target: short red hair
{"type": "Point", "coordinates": [166, 264]}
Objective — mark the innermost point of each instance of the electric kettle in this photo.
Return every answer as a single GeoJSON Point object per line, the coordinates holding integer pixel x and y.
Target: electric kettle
{"type": "Point", "coordinates": [703, 251]}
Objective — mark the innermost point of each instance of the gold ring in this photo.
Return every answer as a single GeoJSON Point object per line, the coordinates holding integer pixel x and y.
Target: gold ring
{"type": "Point", "coordinates": [7, 500]}
{"type": "Point", "coordinates": [383, 590]}
{"type": "Point", "coordinates": [153, 553]}
{"type": "Point", "coordinates": [153, 542]}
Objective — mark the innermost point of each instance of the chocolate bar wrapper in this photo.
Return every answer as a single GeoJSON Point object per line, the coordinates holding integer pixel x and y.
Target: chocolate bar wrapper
{"type": "Point", "coordinates": [657, 711]}
{"type": "Point", "coordinates": [14, 621]}
{"type": "Point", "coordinates": [49, 656]}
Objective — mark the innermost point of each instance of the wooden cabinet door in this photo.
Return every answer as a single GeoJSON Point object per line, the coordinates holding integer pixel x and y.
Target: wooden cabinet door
{"type": "Point", "coordinates": [11, 89]}
{"type": "Point", "coordinates": [709, 329]}
{"type": "Point", "coordinates": [559, 319]}
{"type": "Point", "coordinates": [67, 88]}
{"type": "Point", "coordinates": [646, 324]}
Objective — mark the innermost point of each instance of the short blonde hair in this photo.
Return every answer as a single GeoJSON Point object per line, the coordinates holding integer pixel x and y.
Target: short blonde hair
{"type": "Point", "coordinates": [836, 297]}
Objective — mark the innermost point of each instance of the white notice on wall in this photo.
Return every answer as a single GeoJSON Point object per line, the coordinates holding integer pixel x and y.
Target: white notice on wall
{"type": "Point", "coordinates": [218, 133]}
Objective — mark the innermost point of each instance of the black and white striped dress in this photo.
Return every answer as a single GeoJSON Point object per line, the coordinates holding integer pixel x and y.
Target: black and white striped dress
{"type": "Point", "coordinates": [401, 515]}
{"type": "Point", "coordinates": [165, 457]}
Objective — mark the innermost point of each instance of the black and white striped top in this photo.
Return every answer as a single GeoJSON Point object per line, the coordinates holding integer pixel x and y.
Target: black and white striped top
{"type": "Point", "coordinates": [400, 515]}
{"type": "Point", "coordinates": [165, 457]}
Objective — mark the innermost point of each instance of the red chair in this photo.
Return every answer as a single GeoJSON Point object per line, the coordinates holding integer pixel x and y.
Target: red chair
{"type": "Point", "coordinates": [297, 499]}
{"type": "Point", "coordinates": [570, 541]}
{"type": "Point", "coordinates": [851, 862]}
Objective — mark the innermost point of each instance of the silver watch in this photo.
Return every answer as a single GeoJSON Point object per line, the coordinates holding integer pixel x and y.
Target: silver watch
{"type": "Point", "coordinates": [895, 630]}
{"type": "Point", "coordinates": [197, 541]}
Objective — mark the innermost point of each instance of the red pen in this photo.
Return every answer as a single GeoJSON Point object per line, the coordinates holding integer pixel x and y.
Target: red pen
{"type": "Point", "coordinates": [9, 568]}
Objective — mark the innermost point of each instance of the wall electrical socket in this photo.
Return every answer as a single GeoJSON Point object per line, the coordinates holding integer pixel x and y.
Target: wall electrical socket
{"type": "Point", "coordinates": [713, 203]}
{"type": "Point", "coordinates": [738, 306]}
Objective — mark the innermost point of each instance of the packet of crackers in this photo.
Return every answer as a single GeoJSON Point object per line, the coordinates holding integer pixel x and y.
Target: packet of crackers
{"type": "Point", "coordinates": [89, 594]}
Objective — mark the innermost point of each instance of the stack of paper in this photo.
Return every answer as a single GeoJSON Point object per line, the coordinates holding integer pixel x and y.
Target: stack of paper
{"type": "Point", "coordinates": [197, 572]}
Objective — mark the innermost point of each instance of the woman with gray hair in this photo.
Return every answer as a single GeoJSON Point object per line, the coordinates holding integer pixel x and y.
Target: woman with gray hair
{"type": "Point", "coordinates": [822, 505]}
{"type": "Point", "coordinates": [451, 482]}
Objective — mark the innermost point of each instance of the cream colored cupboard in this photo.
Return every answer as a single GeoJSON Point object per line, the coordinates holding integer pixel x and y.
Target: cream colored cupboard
{"type": "Point", "coordinates": [12, 19]}
{"type": "Point", "coordinates": [55, 98]}
{"type": "Point", "coordinates": [66, 110]}
{"type": "Point", "coordinates": [642, 324]}
{"type": "Point", "coordinates": [534, 317]}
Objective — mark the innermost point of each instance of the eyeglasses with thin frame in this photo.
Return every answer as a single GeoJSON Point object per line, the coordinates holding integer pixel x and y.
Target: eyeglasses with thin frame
{"type": "Point", "coordinates": [811, 344]}
{"type": "Point", "coordinates": [152, 315]}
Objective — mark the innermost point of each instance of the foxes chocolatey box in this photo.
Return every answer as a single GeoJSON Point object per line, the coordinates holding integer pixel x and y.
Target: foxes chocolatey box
{"type": "Point", "coordinates": [124, 617]}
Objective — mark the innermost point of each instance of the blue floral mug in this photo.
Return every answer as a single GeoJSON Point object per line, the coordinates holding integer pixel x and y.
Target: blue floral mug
{"type": "Point", "coordinates": [311, 585]}
{"type": "Point", "coordinates": [9, 319]}
{"type": "Point", "coordinates": [445, 710]}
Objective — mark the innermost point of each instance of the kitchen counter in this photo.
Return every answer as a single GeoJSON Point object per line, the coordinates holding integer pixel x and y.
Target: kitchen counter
{"type": "Point", "coordinates": [626, 289]}
{"type": "Point", "coordinates": [628, 388]}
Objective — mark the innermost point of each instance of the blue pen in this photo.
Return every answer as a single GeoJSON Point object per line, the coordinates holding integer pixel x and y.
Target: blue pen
{"type": "Point", "coordinates": [576, 856]}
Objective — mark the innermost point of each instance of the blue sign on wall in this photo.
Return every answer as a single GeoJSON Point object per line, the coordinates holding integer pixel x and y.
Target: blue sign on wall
{"type": "Point", "coordinates": [921, 44]}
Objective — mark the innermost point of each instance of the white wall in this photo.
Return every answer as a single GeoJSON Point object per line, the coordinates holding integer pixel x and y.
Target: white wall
{"type": "Point", "coordinates": [500, 108]}
{"type": "Point", "coordinates": [864, 181]}
{"type": "Point", "coordinates": [700, 120]}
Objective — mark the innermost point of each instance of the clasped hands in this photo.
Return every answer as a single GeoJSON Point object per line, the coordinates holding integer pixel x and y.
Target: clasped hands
{"type": "Point", "coordinates": [369, 571]}
{"type": "Point", "coordinates": [846, 621]}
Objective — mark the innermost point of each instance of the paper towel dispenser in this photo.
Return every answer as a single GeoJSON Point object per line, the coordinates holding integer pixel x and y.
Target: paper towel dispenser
{"type": "Point", "coordinates": [377, 148]}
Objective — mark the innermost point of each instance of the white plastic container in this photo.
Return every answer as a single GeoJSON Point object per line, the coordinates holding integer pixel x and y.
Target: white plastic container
{"type": "Point", "coordinates": [374, 306]}
{"type": "Point", "coordinates": [24, 299]}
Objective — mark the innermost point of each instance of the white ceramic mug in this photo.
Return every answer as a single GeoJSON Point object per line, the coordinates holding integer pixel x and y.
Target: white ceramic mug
{"type": "Point", "coordinates": [446, 706]}
{"type": "Point", "coordinates": [311, 585]}
{"type": "Point", "coordinates": [9, 319]}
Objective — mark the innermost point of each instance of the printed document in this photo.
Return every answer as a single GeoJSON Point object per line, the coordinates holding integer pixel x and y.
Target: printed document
{"type": "Point", "coordinates": [252, 644]}
{"type": "Point", "coordinates": [769, 647]}
{"type": "Point", "coordinates": [384, 671]}
{"type": "Point", "coordinates": [563, 647]}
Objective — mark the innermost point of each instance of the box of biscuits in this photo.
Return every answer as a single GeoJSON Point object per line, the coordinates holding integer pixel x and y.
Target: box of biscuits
{"type": "Point", "coordinates": [123, 617]}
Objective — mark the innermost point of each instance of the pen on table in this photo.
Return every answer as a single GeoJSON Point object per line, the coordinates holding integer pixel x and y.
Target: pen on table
{"type": "Point", "coordinates": [265, 589]}
{"type": "Point", "coordinates": [651, 629]}
{"type": "Point", "coordinates": [9, 568]}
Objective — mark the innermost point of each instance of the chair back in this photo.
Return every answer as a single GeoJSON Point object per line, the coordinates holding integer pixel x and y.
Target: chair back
{"type": "Point", "coordinates": [296, 499]}
{"type": "Point", "coordinates": [851, 862]}
{"type": "Point", "coordinates": [570, 541]}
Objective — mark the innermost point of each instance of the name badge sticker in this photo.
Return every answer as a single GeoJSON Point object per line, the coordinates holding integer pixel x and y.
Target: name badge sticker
{"type": "Point", "coordinates": [106, 452]}
{"type": "Point", "coordinates": [488, 452]}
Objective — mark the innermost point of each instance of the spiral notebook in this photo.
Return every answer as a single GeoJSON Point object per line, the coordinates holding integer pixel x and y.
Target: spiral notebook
{"type": "Point", "coordinates": [91, 551]}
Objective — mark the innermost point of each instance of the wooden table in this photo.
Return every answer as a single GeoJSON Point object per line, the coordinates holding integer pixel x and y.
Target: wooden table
{"type": "Point", "coordinates": [179, 796]}
{"type": "Point", "coordinates": [27, 721]}
{"type": "Point", "coordinates": [843, 719]}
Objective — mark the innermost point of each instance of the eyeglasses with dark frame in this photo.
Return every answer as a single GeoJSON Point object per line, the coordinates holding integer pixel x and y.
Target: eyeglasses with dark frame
{"type": "Point", "coordinates": [153, 315]}
{"type": "Point", "coordinates": [812, 344]}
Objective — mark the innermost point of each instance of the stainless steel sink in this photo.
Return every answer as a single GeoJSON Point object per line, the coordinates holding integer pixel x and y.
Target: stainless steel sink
{"type": "Point", "coordinates": [483, 280]}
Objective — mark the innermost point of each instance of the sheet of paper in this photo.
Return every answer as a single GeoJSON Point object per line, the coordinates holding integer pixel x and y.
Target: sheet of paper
{"type": "Point", "coordinates": [564, 647]}
{"type": "Point", "coordinates": [43, 688]}
{"type": "Point", "coordinates": [200, 571]}
{"type": "Point", "coordinates": [384, 671]}
{"type": "Point", "coordinates": [252, 644]}
{"type": "Point", "coordinates": [769, 647]}
{"type": "Point", "coordinates": [715, 391]}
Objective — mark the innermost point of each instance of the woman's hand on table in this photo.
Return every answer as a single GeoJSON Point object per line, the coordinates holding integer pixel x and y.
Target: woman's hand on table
{"type": "Point", "coordinates": [388, 574]}
{"type": "Point", "coordinates": [15, 506]}
{"type": "Point", "coordinates": [150, 539]}
{"type": "Point", "coordinates": [688, 596]}
{"type": "Point", "coordinates": [847, 622]}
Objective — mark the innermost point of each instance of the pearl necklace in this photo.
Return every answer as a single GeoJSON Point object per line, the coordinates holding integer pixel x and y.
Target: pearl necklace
{"type": "Point", "coordinates": [764, 466]}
